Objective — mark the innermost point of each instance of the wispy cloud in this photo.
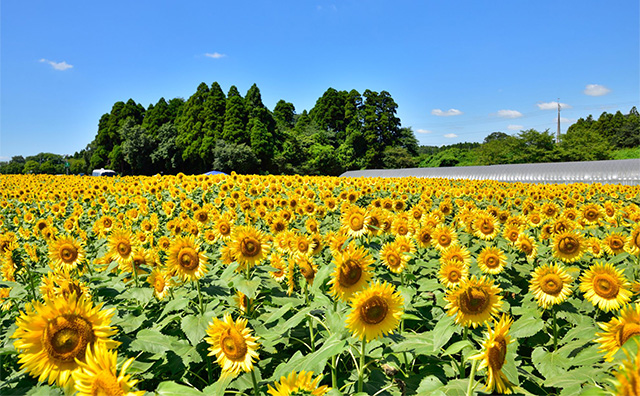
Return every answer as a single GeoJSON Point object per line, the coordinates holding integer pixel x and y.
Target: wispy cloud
{"type": "Point", "coordinates": [424, 131]}
{"type": "Point", "coordinates": [450, 135]}
{"type": "Point", "coordinates": [509, 114]}
{"type": "Point", "coordinates": [596, 90]}
{"type": "Point", "coordinates": [552, 105]}
{"type": "Point", "coordinates": [448, 113]}
{"type": "Point", "coordinates": [215, 55]}
{"type": "Point", "coordinates": [60, 66]}
{"type": "Point", "coordinates": [515, 127]}
{"type": "Point", "coordinates": [567, 120]}
{"type": "Point", "coordinates": [4, 159]}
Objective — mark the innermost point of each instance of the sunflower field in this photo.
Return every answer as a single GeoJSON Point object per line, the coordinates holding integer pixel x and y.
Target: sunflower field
{"type": "Point", "coordinates": [292, 285]}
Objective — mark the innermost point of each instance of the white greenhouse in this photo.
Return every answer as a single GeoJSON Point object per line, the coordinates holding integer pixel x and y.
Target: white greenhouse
{"type": "Point", "coordinates": [606, 172]}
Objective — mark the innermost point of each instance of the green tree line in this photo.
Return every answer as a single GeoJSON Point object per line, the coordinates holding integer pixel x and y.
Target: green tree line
{"type": "Point", "coordinates": [345, 130]}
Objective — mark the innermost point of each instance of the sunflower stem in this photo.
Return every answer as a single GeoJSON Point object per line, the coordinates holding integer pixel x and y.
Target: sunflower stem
{"type": "Point", "coordinates": [199, 297]}
{"type": "Point", "coordinates": [465, 337]}
{"type": "Point", "coordinates": [471, 385]}
{"type": "Point", "coordinates": [362, 362]}
{"type": "Point", "coordinates": [311, 334]}
{"type": "Point", "coordinates": [334, 373]}
{"type": "Point", "coordinates": [555, 329]}
{"type": "Point", "coordinates": [33, 287]}
{"type": "Point", "coordinates": [256, 388]}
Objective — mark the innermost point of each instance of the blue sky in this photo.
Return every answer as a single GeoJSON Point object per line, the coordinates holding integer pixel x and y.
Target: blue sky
{"type": "Point", "coordinates": [458, 70]}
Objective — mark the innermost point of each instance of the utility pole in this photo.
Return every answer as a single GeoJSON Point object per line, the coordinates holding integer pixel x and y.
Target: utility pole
{"type": "Point", "coordinates": [558, 133]}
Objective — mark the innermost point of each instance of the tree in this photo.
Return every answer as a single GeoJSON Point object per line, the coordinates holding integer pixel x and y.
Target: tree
{"type": "Point", "coordinates": [234, 157]}
{"type": "Point", "coordinates": [284, 113]}
{"type": "Point", "coordinates": [31, 166]}
{"type": "Point", "coordinates": [137, 146]}
{"type": "Point", "coordinates": [329, 110]}
{"type": "Point", "coordinates": [532, 146]}
{"type": "Point", "coordinates": [190, 126]}
{"type": "Point", "coordinates": [235, 119]}
{"type": "Point", "coordinates": [166, 157]}
{"type": "Point", "coordinates": [381, 127]}
{"type": "Point", "coordinates": [583, 145]}
{"type": "Point", "coordinates": [213, 115]}
{"type": "Point", "coordinates": [156, 116]}
{"type": "Point", "coordinates": [397, 158]}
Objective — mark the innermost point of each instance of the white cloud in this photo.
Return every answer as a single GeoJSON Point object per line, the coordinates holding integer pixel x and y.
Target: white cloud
{"type": "Point", "coordinates": [424, 131]}
{"type": "Point", "coordinates": [566, 120]}
{"type": "Point", "coordinates": [596, 90]}
{"type": "Point", "coordinates": [552, 106]}
{"type": "Point", "coordinates": [448, 113]}
{"type": "Point", "coordinates": [450, 135]}
{"type": "Point", "coordinates": [509, 114]}
{"type": "Point", "coordinates": [4, 159]}
{"type": "Point", "coordinates": [515, 127]}
{"type": "Point", "coordinates": [215, 55]}
{"type": "Point", "coordinates": [61, 66]}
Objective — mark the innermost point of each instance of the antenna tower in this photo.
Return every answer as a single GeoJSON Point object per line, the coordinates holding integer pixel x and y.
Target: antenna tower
{"type": "Point", "coordinates": [558, 133]}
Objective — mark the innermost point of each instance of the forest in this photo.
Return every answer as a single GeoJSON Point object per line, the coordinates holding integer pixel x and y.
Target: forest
{"type": "Point", "coordinates": [345, 130]}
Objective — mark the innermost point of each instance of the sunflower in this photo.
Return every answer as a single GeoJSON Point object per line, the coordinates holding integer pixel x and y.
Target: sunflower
{"type": "Point", "coordinates": [550, 285]}
{"type": "Point", "coordinates": [491, 260]}
{"type": "Point", "coordinates": [423, 237]}
{"type": "Point", "coordinates": [98, 374]}
{"type": "Point", "coordinates": [66, 253]}
{"type": "Point", "coordinates": [511, 233]}
{"type": "Point", "coordinates": [232, 344]}
{"type": "Point", "coordinates": [185, 259]}
{"type": "Point", "coordinates": [160, 281]}
{"type": "Point", "coordinates": [619, 330]}
{"type": "Point", "coordinates": [51, 336]}
{"type": "Point", "coordinates": [627, 381]}
{"type": "Point", "coordinates": [605, 287]}
{"type": "Point", "coordinates": [633, 242]}
{"type": "Point", "coordinates": [5, 300]}
{"type": "Point", "coordinates": [527, 245]}
{"type": "Point", "coordinates": [614, 243]}
{"type": "Point", "coordinates": [591, 213]}
{"type": "Point", "coordinates": [277, 261]}
{"type": "Point", "coordinates": [249, 246]}
{"type": "Point", "coordinates": [393, 257]}
{"type": "Point", "coordinates": [443, 236]}
{"type": "Point", "coordinates": [493, 355]}
{"type": "Point", "coordinates": [452, 273]}
{"type": "Point", "coordinates": [306, 267]}
{"type": "Point", "coordinates": [301, 383]}
{"type": "Point", "coordinates": [474, 302]}
{"type": "Point", "coordinates": [375, 311]}
{"type": "Point", "coordinates": [595, 246]}
{"type": "Point", "coordinates": [59, 283]}
{"type": "Point", "coordinates": [354, 221]}
{"type": "Point", "coordinates": [121, 245]}
{"type": "Point", "coordinates": [352, 272]}
{"type": "Point", "coordinates": [485, 226]}
{"type": "Point", "coordinates": [223, 227]}
{"type": "Point", "coordinates": [455, 252]}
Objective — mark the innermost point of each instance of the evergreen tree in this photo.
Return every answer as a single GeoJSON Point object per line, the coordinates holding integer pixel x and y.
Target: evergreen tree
{"type": "Point", "coordinates": [235, 119]}
{"type": "Point", "coordinates": [156, 116]}
{"type": "Point", "coordinates": [284, 113]}
{"type": "Point", "coordinates": [191, 129]}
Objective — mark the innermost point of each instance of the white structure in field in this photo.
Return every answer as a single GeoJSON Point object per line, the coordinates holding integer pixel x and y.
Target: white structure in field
{"type": "Point", "coordinates": [605, 172]}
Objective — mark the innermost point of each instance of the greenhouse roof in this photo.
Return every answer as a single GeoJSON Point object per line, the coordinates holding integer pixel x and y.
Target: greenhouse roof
{"type": "Point", "coordinates": [606, 172]}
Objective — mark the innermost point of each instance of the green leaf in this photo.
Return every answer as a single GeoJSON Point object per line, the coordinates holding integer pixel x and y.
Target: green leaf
{"type": "Point", "coordinates": [442, 332]}
{"type": "Point", "coordinates": [278, 313]}
{"type": "Point", "coordinates": [317, 361]}
{"type": "Point", "coordinates": [195, 327]}
{"type": "Point", "coordinates": [296, 319]}
{"type": "Point", "coordinates": [247, 287]}
{"type": "Point", "coordinates": [550, 364]}
{"type": "Point", "coordinates": [131, 323]}
{"type": "Point", "coordinates": [416, 343]}
{"type": "Point", "coordinates": [527, 325]}
{"type": "Point", "coordinates": [141, 294]}
{"type": "Point", "coordinates": [152, 341]}
{"type": "Point", "coordinates": [457, 347]}
{"type": "Point", "coordinates": [170, 388]}
{"type": "Point", "coordinates": [430, 385]}
{"type": "Point", "coordinates": [178, 304]}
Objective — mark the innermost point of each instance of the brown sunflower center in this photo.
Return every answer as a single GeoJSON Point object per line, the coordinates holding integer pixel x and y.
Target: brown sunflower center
{"type": "Point", "coordinates": [303, 246]}
{"type": "Point", "coordinates": [224, 229]}
{"type": "Point", "coordinates": [616, 243]}
{"type": "Point", "coordinates": [474, 300]}
{"type": "Point", "coordinates": [627, 331]}
{"type": "Point", "coordinates": [233, 344]}
{"type": "Point", "coordinates": [636, 240]}
{"type": "Point", "coordinates": [188, 258]}
{"type": "Point", "coordinates": [123, 248]}
{"type": "Point", "coordinates": [454, 275]}
{"type": "Point", "coordinates": [307, 270]}
{"type": "Point", "coordinates": [66, 337]}
{"type": "Point", "coordinates": [568, 245]}
{"type": "Point", "coordinates": [497, 353]}
{"type": "Point", "coordinates": [374, 310]}
{"type": "Point", "coordinates": [526, 247]}
{"type": "Point", "coordinates": [606, 286]}
{"type": "Point", "coordinates": [551, 284]}
{"type": "Point", "coordinates": [106, 384]}
{"type": "Point", "coordinates": [68, 253]}
{"type": "Point", "coordinates": [492, 261]}
{"type": "Point", "coordinates": [356, 222]}
{"type": "Point", "coordinates": [424, 237]}
{"type": "Point", "coordinates": [350, 273]}
{"type": "Point", "coordinates": [249, 247]}
{"type": "Point", "coordinates": [486, 227]}
{"type": "Point", "coordinates": [444, 240]}
{"type": "Point", "coordinates": [159, 284]}
{"type": "Point", "coordinates": [591, 214]}
{"type": "Point", "coordinates": [279, 226]}
{"type": "Point", "coordinates": [393, 259]}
